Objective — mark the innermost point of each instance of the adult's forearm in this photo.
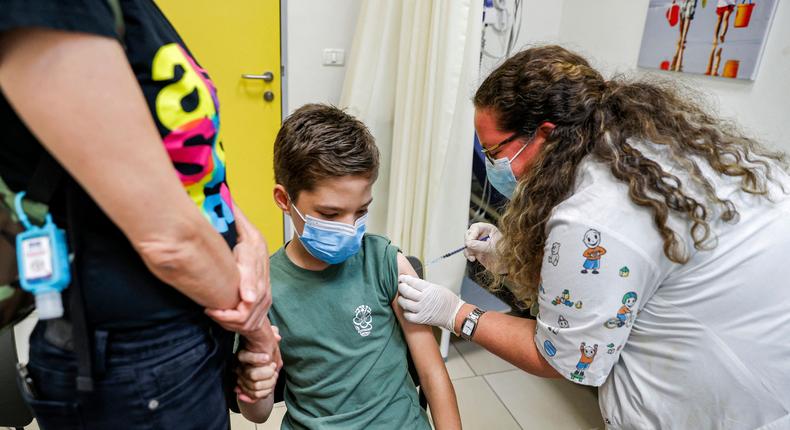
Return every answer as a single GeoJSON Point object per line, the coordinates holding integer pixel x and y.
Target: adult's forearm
{"type": "Point", "coordinates": [195, 261]}
{"type": "Point", "coordinates": [92, 116]}
{"type": "Point", "coordinates": [510, 338]}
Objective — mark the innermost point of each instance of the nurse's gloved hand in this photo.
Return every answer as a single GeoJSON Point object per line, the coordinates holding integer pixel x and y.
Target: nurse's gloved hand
{"type": "Point", "coordinates": [483, 251]}
{"type": "Point", "coordinates": [427, 303]}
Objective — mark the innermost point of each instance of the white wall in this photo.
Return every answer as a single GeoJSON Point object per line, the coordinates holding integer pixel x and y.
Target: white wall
{"type": "Point", "coordinates": [310, 27]}
{"type": "Point", "coordinates": [541, 22]}
{"type": "Point", "coordinates": [609, 33]}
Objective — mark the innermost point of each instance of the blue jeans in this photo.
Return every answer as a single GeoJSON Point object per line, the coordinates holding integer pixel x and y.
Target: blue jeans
{"type": "Point", "coordinates": [169, 376]}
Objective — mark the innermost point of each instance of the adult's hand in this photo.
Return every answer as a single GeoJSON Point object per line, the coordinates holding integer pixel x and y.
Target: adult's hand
{"type": "Point", "coordinates": [480, 250]}
{"type": "Point", "coordinates": [427, 303]}
{"type": "Point", "coordinates": [252, 261]}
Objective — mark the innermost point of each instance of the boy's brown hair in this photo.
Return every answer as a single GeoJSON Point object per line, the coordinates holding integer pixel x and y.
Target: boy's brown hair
{"type": "Point", "coordinates": [320, 141]}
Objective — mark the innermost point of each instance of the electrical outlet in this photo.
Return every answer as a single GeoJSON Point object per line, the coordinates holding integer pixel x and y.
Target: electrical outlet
{"type": "Point", "coordinates": [334, 57]}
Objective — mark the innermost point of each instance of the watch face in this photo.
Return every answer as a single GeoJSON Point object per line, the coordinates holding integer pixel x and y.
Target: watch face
{"type": "Point", "coordinates": [467, 328]}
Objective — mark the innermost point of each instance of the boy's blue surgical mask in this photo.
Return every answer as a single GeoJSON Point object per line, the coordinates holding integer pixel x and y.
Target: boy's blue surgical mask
{"type": "Point", "coordinates": [500, 174]}
{"type": "Point", "coordinates": [330, 241]}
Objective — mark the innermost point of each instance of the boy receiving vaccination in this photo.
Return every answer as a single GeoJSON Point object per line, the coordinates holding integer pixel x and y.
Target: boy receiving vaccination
{"type": "Point", "coordinates": [344, 340]}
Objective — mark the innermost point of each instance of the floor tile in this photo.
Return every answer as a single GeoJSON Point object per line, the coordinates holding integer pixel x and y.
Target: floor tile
{"type": "Point", "coordinates": [457, 366]}
{"type": "Point", "coordinates": [275, 419]}
{"type": "Point", "coordinates": [479, 406]}
{"type": "Point", "coordinates": [473, 293]}
{"type": "Point", "coordinates": [481, 361]}
{"type": "Point", "coordinates": [547, 403]}
{"type": "Point", "coordinates": [238, 422]}
{"type": "Point", "coordinates": [22, 336]}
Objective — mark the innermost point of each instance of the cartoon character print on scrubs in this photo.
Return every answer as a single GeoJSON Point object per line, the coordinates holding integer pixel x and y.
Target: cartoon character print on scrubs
{"type": "Point", "coordinates": [565, 299]}
{"type": "Point", "coordinates": [561, 323]}
{"type": "Point", "coordinates": [625, 315]}
{"type": "Point", "coordinates": [587, 357]}
{"type": "Point", "coordinates": [188, 108]}
{"type": "Point", "coordinates": [592, 255]}
{"type": "Point", "coordinates": [550, 349]}
{"type": "Point", "coordinates": [554, 258]}
{"type": "Point", "coordinates": [363, 320]}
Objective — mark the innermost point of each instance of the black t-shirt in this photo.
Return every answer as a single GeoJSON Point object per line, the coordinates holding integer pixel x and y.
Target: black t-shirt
{"type": "Point", "coordinates": [120, 292]}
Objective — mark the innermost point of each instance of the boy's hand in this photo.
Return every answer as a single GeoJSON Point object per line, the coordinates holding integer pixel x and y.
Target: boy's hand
{"type": "Point", "coordinates": [257, 374]}
{"type": "Point", "coordinates": [255, 383]}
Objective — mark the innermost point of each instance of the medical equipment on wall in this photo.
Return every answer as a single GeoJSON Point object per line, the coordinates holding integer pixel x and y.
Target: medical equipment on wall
{"type": "Point", "coordinates": [502, 21]}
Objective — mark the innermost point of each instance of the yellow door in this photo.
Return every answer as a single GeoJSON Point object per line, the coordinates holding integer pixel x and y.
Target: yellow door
{"type": "Point", "coordinates": [230, 39]}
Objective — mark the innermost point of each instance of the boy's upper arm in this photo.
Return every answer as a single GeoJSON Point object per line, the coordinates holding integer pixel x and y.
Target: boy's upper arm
{"type": "Point", "coordinates": [413, 332]}
{"type": "Point", "coordinates": [404, 267]}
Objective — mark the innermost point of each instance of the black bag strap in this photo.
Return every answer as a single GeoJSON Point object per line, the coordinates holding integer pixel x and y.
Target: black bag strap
{"type": "Point", "coordinates": [47, 177]}
{"type": "Point", "coordinates": [79, 322]}
{"type": "Point", "coordinates": [120, 25]}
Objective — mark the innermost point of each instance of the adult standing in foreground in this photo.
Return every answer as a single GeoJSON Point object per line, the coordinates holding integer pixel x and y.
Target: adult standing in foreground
{"type": "Point", "coordinates": [134, 120]}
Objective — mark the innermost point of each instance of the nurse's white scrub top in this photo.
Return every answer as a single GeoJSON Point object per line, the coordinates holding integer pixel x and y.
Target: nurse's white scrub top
{"type": "Point", "coordinates": [704, 345]}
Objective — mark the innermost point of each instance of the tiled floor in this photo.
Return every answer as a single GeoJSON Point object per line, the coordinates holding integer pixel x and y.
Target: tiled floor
{"type": "Point", "coordinates": [494, 395]}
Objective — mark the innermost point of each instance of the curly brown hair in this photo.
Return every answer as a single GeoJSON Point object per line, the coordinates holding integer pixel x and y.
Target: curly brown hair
{"type": "Point", "coordinates": [599, 118]}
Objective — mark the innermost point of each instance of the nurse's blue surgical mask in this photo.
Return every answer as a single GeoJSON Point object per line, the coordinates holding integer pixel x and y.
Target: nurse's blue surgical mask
{"type": "Point", "coordinates": [330, 241]}
{"type": "Point", "coordinates": [500, 173]}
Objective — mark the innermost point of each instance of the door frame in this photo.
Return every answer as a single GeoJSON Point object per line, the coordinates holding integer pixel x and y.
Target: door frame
{"type": "Point", "coordinates": [287, 230]}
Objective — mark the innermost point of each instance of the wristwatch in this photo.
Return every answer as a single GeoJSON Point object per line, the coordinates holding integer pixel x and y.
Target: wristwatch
{"type": "Point", "coordinates": [469, 325]}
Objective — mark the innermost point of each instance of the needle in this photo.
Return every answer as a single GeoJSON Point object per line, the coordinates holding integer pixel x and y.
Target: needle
{"type": "Point", "coordinates": [453, 252]}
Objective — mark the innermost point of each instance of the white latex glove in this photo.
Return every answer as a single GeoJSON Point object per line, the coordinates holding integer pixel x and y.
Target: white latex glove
{"type": "Point", "coordinates": [426, 303]}
{"type": "Point", "coordinates": [479, 250]}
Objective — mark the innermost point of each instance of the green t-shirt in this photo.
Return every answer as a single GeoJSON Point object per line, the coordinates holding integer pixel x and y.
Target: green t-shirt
{"type": "Point", "coordinates": [343, 350]}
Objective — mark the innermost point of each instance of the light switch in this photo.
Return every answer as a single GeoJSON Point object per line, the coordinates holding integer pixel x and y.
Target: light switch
{"type": "Point", "coordinates": [334, 57]}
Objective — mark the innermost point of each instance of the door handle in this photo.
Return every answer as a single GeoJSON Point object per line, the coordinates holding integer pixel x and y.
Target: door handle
{"type": "Point", "coordinates": [266, 76]}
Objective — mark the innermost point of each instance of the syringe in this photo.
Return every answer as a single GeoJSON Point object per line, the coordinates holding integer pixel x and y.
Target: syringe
{"type": "Point", "coordinates": [451, 253]}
